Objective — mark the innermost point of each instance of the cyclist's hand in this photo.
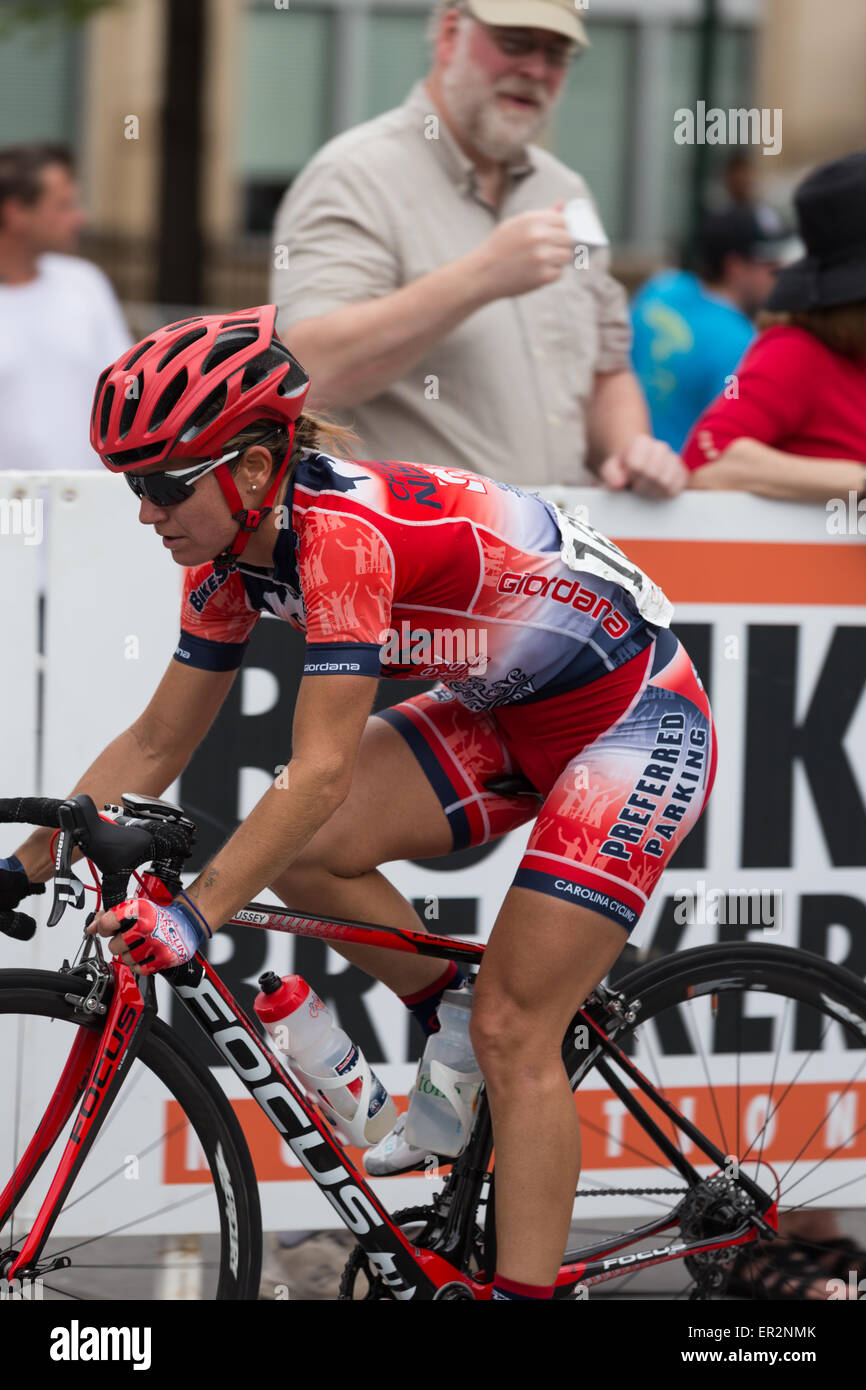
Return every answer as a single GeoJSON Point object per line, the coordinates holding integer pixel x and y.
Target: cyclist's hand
{"type": "Point", "coordinates": [525, 252]}
{"type": "Point", "coordinates": [148, 937]}
{"type": "Point", "coordinates": [14, 883]}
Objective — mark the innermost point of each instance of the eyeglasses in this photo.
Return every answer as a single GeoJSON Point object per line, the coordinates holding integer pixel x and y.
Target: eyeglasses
{"type": "Point", "coordinates": [168, 489]}
{"type": "Point", "coordinates": [516, 45]}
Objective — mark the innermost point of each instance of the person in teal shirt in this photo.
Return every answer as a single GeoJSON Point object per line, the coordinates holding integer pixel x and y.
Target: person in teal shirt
{"type": "Point", "coordinates": [690, 331]}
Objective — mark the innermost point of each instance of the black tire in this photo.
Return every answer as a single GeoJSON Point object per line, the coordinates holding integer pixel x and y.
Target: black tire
{"type": "Point", "coordinates": [817, 998]}
{"type": "Point", "coordinates": [41, 994]}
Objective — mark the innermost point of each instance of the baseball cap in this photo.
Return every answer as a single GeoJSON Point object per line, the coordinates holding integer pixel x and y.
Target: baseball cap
{"type": "Point", "coordinates": [558, 15]}
{"type": "Point", "coordinates": [742, 231]}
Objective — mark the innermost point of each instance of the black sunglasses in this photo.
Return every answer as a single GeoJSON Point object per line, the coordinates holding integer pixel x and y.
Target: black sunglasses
{"type": "Point", "coordinates": [168, 489]}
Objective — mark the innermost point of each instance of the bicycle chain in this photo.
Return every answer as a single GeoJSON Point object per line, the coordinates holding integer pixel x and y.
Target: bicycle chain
{"type": "Point", "coordinates": [636, 1192]}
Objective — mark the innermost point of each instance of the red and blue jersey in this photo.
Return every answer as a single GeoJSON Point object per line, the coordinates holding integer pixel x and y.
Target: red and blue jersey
{"type": "Point", "coordinates": [424, 573]}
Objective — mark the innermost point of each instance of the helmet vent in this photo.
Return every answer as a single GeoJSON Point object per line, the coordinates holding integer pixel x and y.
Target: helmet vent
{"type": "Point", "coordinates": [130, 405]}
{"type": "Point", "coordinates": [227, 344]}
{"type": "Point", "coordinates": [181, 323]}
{"type": "Point", "coordinates": [295, 381]}
{"type": "Point", "coordinates": [186, 341]}
{"type": "Point", "coordinates": [124, 457]}
{"type": "Point", "coordinates": [206, 413]}
{"type": "Point", "coordinates": [139, 352]}
{"type": "Point", "coordinates": [168, 400]}
{"type": "Point", "coordinates": [99, 385]}
{"type": "Point", "coordinates": [105, 413]}
{"type": "Point", "coordinates": [260, 368]}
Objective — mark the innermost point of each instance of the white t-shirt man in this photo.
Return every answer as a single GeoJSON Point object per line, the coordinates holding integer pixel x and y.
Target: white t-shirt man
{"type": "Point", "coordinates": [57, 333]}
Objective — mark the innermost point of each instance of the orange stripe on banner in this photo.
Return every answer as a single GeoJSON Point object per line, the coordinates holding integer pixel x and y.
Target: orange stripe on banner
{"type": "Point", "coordinates": [272, 1157]}
{"type": "Point", "coordinates": [753, 571]}
{"type": "Point", "coordinates": [611, 1137]}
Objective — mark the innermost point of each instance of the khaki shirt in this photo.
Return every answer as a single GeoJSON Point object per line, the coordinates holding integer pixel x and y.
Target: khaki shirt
{"type": "Point", "coordinates": [507, 392]}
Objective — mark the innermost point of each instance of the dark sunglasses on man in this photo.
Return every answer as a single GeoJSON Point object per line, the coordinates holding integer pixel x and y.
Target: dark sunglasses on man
{"type": "Point", "coordinates": [169, 489]}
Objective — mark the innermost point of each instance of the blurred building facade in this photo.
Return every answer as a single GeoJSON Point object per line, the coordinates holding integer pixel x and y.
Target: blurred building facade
{"type": "Point", "coordinates": [283, 76]}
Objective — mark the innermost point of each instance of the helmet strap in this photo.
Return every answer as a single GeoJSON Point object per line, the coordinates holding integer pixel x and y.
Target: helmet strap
{"type": "Point", "coordinates": [249, 519]}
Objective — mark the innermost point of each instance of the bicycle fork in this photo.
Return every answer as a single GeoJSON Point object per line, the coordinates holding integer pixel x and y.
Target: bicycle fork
{"type": "Point", "coordinates": [92, 1074]}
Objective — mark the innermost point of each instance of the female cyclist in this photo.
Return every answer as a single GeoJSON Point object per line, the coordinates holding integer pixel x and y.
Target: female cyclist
{"type": "Point", "coordinates": [571, 679]}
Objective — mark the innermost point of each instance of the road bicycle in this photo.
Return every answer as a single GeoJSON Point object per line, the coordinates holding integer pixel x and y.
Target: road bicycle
{"type": "Point", "coordinates": [769, 1043]}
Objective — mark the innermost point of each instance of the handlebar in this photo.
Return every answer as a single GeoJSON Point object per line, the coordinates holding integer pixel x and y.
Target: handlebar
{"type": "Point", "coordinates": [144, 830]}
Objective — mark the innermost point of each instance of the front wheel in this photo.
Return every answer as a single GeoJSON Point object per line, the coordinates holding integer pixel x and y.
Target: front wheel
{"type": "Point", "coordinates": [169, 1162]}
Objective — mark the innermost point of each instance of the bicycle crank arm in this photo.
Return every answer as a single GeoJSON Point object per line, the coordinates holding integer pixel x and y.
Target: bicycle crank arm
{"type": "Point", "coordinates": [130, 1014]}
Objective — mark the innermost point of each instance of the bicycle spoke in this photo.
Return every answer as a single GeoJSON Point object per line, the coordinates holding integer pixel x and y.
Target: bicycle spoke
{"type": "Point", "coordinates": [128, 1225]}
{"type": "Point", "coordinates": [781, 1032]}
{"type": "Point", "coordinates": [699, 1050]}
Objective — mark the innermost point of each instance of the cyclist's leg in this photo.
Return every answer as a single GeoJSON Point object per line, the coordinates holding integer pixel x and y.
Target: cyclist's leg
{"type": "Point", "coordinates": [610, 823]}
{"type": "Point", "coordinates": [543, 958]}
{"type": "Point", "coordinates": [417, 792]}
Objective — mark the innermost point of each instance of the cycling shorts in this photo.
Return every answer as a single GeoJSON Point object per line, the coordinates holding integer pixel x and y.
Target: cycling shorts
{"type": "Point", "coordinates": [624, 765]}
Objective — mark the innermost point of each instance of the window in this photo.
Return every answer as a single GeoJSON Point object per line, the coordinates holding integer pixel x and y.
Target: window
{"type": "Point", "coordinates": [38, 71]}
{"type": "Point", "coordinates": [732, 87]}
{"type": "Point", "coordinates": [283, 106]}
{"type": "Point", "coordinates": [397, 55]}
{"type": "Point", "coordinates": [594, 122]}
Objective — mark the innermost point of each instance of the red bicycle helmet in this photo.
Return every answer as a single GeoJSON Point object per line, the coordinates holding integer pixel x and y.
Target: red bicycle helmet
{"type": "Point", "coordinates": [188, 388]}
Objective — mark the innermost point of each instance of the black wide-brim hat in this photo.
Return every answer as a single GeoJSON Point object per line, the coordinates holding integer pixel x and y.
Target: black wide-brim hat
{"type": "Point", "coordinates": [831, 216]}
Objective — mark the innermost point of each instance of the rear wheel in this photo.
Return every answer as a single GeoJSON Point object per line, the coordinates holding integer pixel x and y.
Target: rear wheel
{"type": "Point", "coordinates": [170, 1161]}
{"type": "Point", "coordinates": [764, 1049]}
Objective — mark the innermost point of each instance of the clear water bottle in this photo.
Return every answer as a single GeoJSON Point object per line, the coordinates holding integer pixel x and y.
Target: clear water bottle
{"type": "Point", "coordinates": [448, 1081]}
{"type": "Point", "coordinates": [332, 1070]}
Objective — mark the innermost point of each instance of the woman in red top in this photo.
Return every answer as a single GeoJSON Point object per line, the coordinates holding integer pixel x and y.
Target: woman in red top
{"type": "Point", "coordinates": [796, 427]}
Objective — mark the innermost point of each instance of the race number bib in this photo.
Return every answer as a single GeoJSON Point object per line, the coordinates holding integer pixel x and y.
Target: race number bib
{"type": "Point", "coordinates": [584, 548]}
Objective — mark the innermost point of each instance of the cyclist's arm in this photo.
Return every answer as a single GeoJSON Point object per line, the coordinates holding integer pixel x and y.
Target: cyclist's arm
{"type": "Point", "coordinates": [149, 755]}
{"type": "Point", "coordinates": [330, 715]}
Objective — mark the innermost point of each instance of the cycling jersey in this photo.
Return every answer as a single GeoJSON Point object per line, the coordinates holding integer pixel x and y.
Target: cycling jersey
{"type": "Point", "coordinates": [546, 664]}
{"type": "Point", "coordinates": [407, 571]}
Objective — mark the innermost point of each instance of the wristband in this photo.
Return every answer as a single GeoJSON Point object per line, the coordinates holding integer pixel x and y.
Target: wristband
{"type": "Point", "coordinates": [194, 909]}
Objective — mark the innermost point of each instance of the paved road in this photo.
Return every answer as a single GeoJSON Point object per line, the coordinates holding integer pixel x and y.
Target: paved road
{"type": "Point", "coordinates": [143, 1268]}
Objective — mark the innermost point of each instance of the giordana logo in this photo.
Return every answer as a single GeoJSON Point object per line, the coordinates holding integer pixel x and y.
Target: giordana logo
{"type": "Point", "coordinates": [567, 591]}
{"type": "Point", "coordinates": [436, 650]}
{"type": "Point", "coordinates": [77, 1343]}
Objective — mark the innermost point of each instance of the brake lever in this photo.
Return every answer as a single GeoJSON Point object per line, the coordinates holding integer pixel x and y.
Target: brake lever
{"type": "Point", "coordinates": [68, 888]}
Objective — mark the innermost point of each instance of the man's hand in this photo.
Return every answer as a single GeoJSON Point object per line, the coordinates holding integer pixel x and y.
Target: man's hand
{"type": "Point", "coordinates": [147, 937]}
{"type": "Point", "coordinates": [647, 466]}
{"type": "Point", "coordinates": [524, 253]}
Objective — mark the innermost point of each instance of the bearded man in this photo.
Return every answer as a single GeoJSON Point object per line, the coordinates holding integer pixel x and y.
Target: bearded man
{"type": "Point", "coordinates": [445, 280]}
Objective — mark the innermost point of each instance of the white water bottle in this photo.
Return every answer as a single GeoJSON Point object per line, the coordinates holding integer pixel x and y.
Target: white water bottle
{"type": "Point", "coordinates": [332, 1070]}
{"type": "Point", "coordinates": [448, 1081]}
